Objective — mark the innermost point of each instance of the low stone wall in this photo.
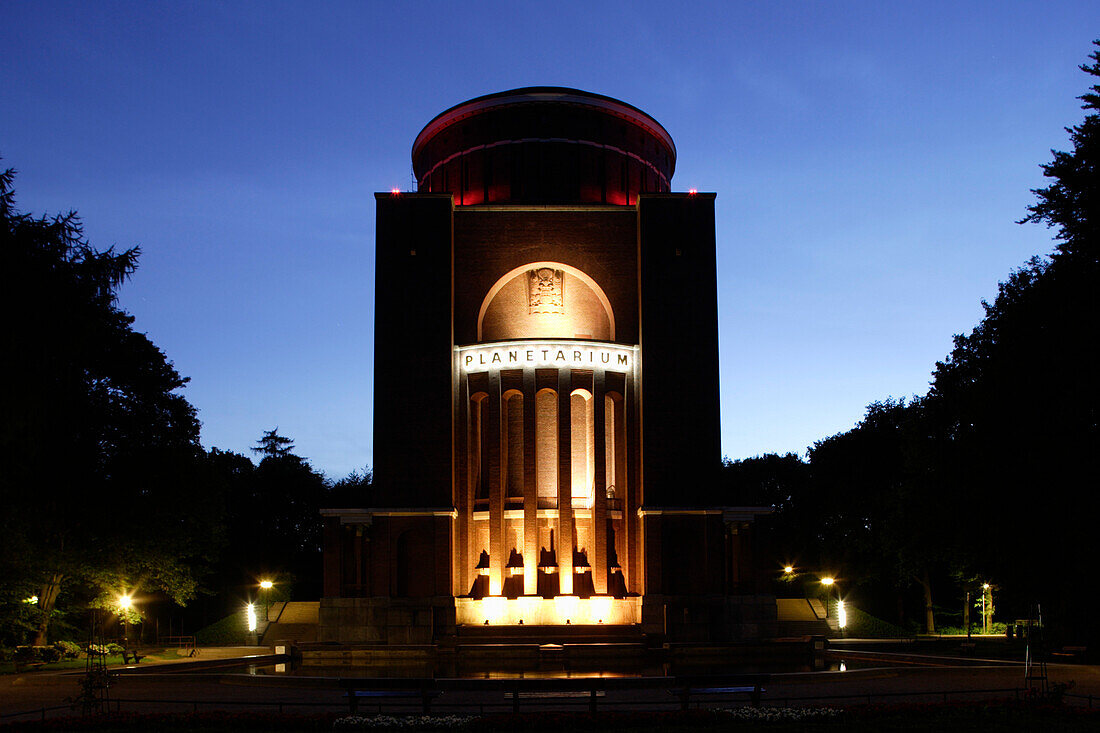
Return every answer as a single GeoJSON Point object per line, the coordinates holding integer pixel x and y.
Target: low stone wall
{"type": "Point", "coordinates": [710, 618]}
{"type": "Point", "coordinates": [386, 620]}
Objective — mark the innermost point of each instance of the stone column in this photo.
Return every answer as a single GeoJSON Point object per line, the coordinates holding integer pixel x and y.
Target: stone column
{"type": "Point", "coordinates": [530, 490]}
{"type": "Point", "coordinates": [599, 504]}
{"type": "Point", "coordinates": [493, 414]}
{"type": "Point", "coordinates": [566, 540]}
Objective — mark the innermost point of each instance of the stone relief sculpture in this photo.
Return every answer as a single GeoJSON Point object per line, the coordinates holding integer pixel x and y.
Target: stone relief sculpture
{"type": "Point", "coordinates": [545, 291]}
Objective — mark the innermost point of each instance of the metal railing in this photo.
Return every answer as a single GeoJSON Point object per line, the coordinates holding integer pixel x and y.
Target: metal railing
{"type": "Point", "coordinates": [589, 694]}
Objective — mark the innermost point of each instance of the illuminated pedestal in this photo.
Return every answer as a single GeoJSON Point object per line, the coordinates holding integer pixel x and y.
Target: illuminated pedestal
{"type": "Point", "coordinates": [539, 611]}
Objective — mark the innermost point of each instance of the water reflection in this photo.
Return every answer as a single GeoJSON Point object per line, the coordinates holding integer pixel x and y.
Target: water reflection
{"type": "Point", "coordinates": [524, 669]}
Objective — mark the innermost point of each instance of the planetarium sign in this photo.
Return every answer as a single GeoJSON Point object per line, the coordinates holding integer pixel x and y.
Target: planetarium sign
{"type": "Point", "coordinates": [524, 354]}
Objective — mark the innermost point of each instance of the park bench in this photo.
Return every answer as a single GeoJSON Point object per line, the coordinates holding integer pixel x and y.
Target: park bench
{"type": "Point", "coordinates": [28, 666]}
{"type": "Point", "coordinates": [686, 693]}
{"type": "Point", "coordinates": [354, 696]}
{"type": "Point", "coordinates": [590, 695]}
{"type": "Point", "coordinates": [1072, 652]}
{"type": "Point", "coordinates": [128, 655]}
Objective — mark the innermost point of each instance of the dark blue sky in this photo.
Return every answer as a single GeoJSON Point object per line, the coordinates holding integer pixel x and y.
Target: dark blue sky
{"type": "Point", "coordinates": [870, 160]}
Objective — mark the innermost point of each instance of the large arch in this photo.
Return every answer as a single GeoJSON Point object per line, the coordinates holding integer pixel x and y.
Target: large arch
{"type": "Point", "coordinates": [568, 269]}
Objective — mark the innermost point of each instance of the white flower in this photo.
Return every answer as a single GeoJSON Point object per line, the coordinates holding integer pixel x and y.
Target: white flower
{"type": "Point", "coordinates": [389, 722]}
{"type": "Point", "coordinates": [771, 714]}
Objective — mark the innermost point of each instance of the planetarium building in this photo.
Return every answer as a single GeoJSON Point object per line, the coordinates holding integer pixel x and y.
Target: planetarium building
{"type": "Point", "coordinates": [546, 393]}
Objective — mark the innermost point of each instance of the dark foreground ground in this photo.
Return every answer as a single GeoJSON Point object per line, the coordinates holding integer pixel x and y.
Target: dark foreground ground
{"type": "Point", "coordinates": [987, 716]}
{"type": "Point", "coordinates": [892, 698]}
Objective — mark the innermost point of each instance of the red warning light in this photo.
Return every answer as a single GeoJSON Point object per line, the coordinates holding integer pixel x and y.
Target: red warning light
{"type": "Point", "coordinates": [692, 191]}
{"type": "Point", "coordinates": [395, 192]}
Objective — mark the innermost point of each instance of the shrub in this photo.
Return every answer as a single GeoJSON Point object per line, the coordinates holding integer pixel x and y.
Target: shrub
{"type": "Point", "coordinates": [229, 631]}
{"type": "Point", "coordinates": [30, 654]}
{"type": "Point", "coordinates": [115, 649]}
{"type": "Point", "coordinates": [863, 625]}
{"type": "Point", "coordinates": [68, 649]}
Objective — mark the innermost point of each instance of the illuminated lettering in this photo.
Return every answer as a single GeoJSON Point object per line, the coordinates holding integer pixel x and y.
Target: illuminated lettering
{"type": "Point", "coordinates": [475, 358]}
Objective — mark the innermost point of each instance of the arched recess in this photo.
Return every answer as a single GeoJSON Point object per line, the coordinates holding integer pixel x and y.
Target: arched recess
{"type": "Point", "coordinates": [582, 448]}
{"type": "Point", "coordinates": [512, 433]}
{"type": "Point", "coordinates": [478, 447]}
{"type": "Point", "coordinates": [583, 277]}
{"type": "Point", "coordinates": [614, 446]}
{"type": "Point", "coordinates": [546, 448]}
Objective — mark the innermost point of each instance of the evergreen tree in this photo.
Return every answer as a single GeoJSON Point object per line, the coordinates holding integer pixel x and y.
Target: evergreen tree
{"type": "Point", "coordinates": [99, 489]}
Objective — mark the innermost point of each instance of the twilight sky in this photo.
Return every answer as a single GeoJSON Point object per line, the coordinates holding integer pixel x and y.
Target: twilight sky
{"type": "Point", "coordinates": [870, 161]}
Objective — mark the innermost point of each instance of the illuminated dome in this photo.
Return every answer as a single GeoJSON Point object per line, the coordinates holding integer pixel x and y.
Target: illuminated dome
{"type": "Point", "coordinates": [547, 145]}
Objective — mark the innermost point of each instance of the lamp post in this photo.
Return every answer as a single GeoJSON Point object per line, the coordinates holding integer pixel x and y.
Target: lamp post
{"type": "Point", "coordinates": [125, 604]}
{"type": "Point", "coordinates": [265, 590]}
{"type": "Point", "coordinates": [985, 609]}
{"type": "Point", "coordinates": [828, 582]}
{"type": "Point", "coordinates": [841, 613]}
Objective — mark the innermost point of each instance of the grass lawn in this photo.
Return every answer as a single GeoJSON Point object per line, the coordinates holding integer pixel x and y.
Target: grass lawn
{"type": "Point", "coordinates": [9, 667]}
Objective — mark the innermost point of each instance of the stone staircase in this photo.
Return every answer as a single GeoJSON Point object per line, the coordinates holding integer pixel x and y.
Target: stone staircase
{"type": "Point", "coordinates": [292, 621]}
{"type": "Point", "coordinates": [803, 617]}
{"type": "Point", "coordinates": [547, 646]}
{"type": "Point", "coordinates": [574, 634]}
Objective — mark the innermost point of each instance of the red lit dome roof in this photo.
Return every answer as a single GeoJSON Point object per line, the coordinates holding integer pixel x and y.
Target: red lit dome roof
{"type": "Point", "coordinates": [544, 145]}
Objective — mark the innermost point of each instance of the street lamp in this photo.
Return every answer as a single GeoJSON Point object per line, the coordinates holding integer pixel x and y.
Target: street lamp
{"type": "Point", "coordinates": [841, 613]}
{"type": "Point", "coordinates": [265, 588]}
{"type": "Point", "coordinates": [125, 604]}
{"type": "Point", "coordinates": [985, 609]}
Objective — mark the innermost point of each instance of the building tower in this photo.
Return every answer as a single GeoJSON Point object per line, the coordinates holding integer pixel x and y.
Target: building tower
{"type": "Point", "coordinates": [546, 390]}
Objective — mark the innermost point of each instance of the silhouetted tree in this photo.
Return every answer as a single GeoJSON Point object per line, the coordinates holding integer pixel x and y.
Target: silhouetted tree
{"type": "Point", "coordinates": [273, 445]}
{"type": "Point", "coordinates": [274, 525]}
{"type": "Point", "coordinates": [351, 491]}
{"type": "Point", "coordinates": [100, 485]}
{"type": "Point", "coordinates": [1072, 201]}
